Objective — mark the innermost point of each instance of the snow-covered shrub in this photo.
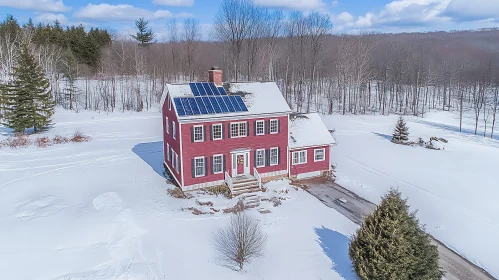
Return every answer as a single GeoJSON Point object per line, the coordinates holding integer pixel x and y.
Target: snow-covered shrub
{"type": "Point", "coordinates": [60, 140]}
{"type": "Point", "coordinates": [241, 240]}
{"type": "Point", "coordinates": [178, 193]}
{"type": "Point", "coordinates": [43, 142]}
{"type": "Point", "coordinates": [20, 140]}
{"type": "Point", "coordinates": [196, 211]}
{"type": "Point", "coordinates": [239, 207]}
{"type": "Point", "coordinates": [217, 190]}
{"type": "Point", "coordinates": [207, 203]}
{"type": "Point", "coordinates": [78, 137]}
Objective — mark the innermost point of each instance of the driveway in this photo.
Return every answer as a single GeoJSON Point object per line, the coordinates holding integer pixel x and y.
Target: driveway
{"type": "Point", "coordinates": [356, 208]}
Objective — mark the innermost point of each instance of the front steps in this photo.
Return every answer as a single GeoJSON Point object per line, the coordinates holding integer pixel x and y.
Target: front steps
{"type": "Point", "coordinates": [250, 200]}
{"type": "Point", "coordinates": [244, 186]}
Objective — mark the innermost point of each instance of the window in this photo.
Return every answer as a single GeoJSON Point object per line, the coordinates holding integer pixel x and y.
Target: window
{"type": "Point", "coordinates": [177, 163]}
{"type": "Point", "coordinates": [167, 125]}
{"type": "Point", "coordinates": [217, 164]}
{"type": "Point", "coordinates": [199, 167]}
{"type": "Point", "coordinates": [216, 131]}
{"type": "Point", "coordinates": [274, 126]}
{"type": "Point", "coordinates": [174, 130]}
{"type": "Point", "coordinates": [274, 156]}
{"type": "Point", "coordinates": [198, 133]}
{"type": "Point", "coordinates": [238, 129]}
{"type": "Point", "coordinates": [169, 104]}
{"type": "Point", "coordinates": [173, 159]}
{"type": "Point", "coordinates": [319, 154]}
{"type": "Point", "coordinates": [260, 127]}
{"type": "Point", "coordinates": [168, 151]}
{"type": "Point", "coordinates": [260, 158]}
{"type": "Point", "coordinates": [299, 157]}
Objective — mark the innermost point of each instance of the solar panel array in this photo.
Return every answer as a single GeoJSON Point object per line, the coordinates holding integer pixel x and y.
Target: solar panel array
{"type": "Point", "coordinates": [209, 99]}
{"type": "Point", "coordinates": [206, 89]}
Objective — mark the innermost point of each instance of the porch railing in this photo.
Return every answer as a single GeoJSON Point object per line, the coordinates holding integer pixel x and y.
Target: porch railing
{"type": "Point", "coordinates": [258, 177]}
{"type": "Point", "coordinates": [228, 181]}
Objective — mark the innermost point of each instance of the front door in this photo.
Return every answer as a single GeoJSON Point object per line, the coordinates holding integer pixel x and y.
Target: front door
{"type": "Point", "coordinates": [240, 164]}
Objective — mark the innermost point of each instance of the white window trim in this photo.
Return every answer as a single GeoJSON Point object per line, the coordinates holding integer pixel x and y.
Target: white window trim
{"type": "Point", "coordinates": [202, 133]}
{"type": "Point", "coordinates": [270, 155]}
{"type": "Point", "coordinates": [168, 152]}
{"type": "Point", "coordinates": [323, 155]}
{"type": "Point", "coordinates": [221, 131]}
{"type": "Point", "coordinates": [256, 163]}
{"type": "Point", "coordinates": [177, 163]}
{"type": "Point", "coordinates": [222, 163]}
{"type": "Point", "coordinates": [174, 130]}
{"type": "Point", "coordinates": [298, 152]}
{"type": "Point", "coordinates": [263, 123]}
{"type": "Point", "coordinates": [276, 127]}
{"type": "Point", "coordinates": [169, 103]}
{"type": "Point", "coordinates": [238, 129]}
{"type": "Point", "coordinates": [167, 125]}
{"type": "Point", "coordinates": [195, 167]}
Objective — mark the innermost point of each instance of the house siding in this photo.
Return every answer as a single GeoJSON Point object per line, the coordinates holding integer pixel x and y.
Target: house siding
{"type": "Point", "coordinates": [311, 167]}
{"type": "Point", "coordinates": [209, 147]}
{"type": "Point", "coordinates": [168, 139]}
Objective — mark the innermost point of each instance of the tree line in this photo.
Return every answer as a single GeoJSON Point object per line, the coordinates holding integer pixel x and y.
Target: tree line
{"type": "Point", "coordinates": [316, 70]}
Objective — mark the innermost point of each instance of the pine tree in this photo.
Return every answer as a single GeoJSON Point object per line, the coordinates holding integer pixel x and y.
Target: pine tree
{"type": "Point", "coordinates": [401, 132]}
{"type": "Point", "coordinates": [392, 245]}
{"type": "Point", "coordinates": [28, 98]}
{"type": "Point", "coordinates": [144, 36]}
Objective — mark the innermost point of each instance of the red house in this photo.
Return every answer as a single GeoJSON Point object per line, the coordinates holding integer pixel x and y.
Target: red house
{"type": "Point", "coordinates": [239, 134]}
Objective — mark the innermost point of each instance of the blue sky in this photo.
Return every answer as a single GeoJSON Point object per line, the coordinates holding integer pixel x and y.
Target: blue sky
{"type": "Point", "coordinates": [348, 16]}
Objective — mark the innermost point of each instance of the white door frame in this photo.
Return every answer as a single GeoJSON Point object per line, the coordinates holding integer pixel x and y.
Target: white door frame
{"type": "Point", "coordinates": [247, 162]}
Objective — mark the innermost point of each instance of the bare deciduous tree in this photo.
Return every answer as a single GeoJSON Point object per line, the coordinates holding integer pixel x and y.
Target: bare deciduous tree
{"type": "Point", "coordinates": [241, 240]}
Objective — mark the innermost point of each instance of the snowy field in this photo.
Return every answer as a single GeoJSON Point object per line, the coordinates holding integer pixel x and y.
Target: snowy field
{"type": "Point", "coordinates": [100, 210]}
{"type": "Point", "coordinates": [455, 190]}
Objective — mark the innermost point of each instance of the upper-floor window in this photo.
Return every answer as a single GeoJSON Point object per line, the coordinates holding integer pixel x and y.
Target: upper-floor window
{"type": "Point", "coordinates": [319, 154]}
{"type": "Point", "coordinates": [216, 131]}
{"type": "Point", "coordinates": [169, 103]}
{"type": "Point", "coordinates": [198, 133]}
{"type": "Point", "coordinates": [174, 130]}
{"type": "Point", "coordinates": [260, 158]}
{"type": "Point", "coordinates": [167, 125]}
{"type": "Point", "coordinates": [274, 156]}
{"type": "Point", "coordinates": [238, 129]}
{"type": "Point", "coordinates": [300, 157]}
{"type": "Point", "coordinates": [274, 126]}
{"type": "Point", "coordinates": [260, 127]}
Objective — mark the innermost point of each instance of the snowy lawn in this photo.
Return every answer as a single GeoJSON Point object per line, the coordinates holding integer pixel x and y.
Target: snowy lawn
{"type": "Point", "coordinates": [100, 210]}
{"type": "Point", "coordinates": [455, 190]}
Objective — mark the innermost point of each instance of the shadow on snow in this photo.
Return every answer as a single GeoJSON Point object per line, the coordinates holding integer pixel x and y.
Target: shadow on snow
{"type": "Point", "coordinates": [455, 129]}
{"type": "Point", "coordinates": [386, 136]}
{"type": "Point", "coordinates": [152, 154]}
{"type": "Point", "coordinates": [335, 246]}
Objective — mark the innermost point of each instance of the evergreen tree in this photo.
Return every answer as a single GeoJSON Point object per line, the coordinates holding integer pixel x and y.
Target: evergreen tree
{"type": "Point", "coordinates": [29, 102]}
{"type": "Point", "coordinates": [392, 245]}
{"type": "Point", "coordinates": [401, 132]}
{"type": "Point", "coordinates": [145, 35]}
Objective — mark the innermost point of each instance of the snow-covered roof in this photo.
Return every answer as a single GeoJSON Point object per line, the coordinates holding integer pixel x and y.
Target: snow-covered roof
{"type": "Point", "coordinates": [308, 130]}
{"type": "Point", "coordinates": [259, 97]}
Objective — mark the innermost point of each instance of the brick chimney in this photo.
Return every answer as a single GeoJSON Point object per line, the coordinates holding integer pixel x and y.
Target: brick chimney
{"type": "Point", "coordinates": [215, 76]}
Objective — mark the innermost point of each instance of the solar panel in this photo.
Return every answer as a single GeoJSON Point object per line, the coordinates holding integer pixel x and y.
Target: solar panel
{"type": "Point", "coordinates": [194, 106]}
{"type": "Point", "coordinates": [206, 88]}
{"type": "Point", "coordinates": [229, 104]}
{"type": "Point", "coordinates": [214, 89]}
{"type": "Point", "coordinates": [194, 89]}
{"type": "Point", "coordinates": [209, 107]}
{"type": "Point", "coordinates": [187, 107]}
{"type": "Point", "coordinates": [222, 104]}
{"type": "Point", "coordinates": [241, 104]}
{"type": "Point", "coordinates": [201, 106]}
{"type": "Point", "coordinates": [201, 89]}
{"type": "Point", "coordinates": [221, 90]}
{"type": "Point", "coordinates": [233, 99]}
{"type": "Point", "coordinates": [214, 103]}
{"type": "Point", "coordinates": [178, 106]}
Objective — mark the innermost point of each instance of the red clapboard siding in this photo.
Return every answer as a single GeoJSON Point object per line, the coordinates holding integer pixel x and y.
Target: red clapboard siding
{"type": "Point", "coordinates": [168, 138]}
{"type": "Point", "coordinates": [209, 147]}
{"type": "Point", "coordinates": [310, 166]}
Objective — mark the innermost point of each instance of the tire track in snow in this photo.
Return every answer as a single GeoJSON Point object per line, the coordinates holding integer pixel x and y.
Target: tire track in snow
{"type": "Point", "coordinates": [402, 182]}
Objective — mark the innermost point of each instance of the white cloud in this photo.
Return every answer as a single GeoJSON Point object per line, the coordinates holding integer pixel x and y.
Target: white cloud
{"type": "Point", "coordinates": [335, 3]}
{"type": "Point", "coordinates": [51, 18]}
{"type": "Point", "coordinates": [174, 3]}
{"type": "Point", "coordinates": [37, 5]}
{"type": "Point", "coordinates": [292, 4]}
{"type": "Point", "coordinates": [122, 12]}
{"type": "Point", "coordinates": [473, 10]}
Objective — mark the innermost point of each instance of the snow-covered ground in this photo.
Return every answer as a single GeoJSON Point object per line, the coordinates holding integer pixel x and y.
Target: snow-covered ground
{"type": "Point", "coordinates": [100, 210]}
{"type": "Point", "coordinates": [455, 190]}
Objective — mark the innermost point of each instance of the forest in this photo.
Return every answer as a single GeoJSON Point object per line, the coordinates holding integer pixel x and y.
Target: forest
{"type": "Point", "coordinates": [316, 70]}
